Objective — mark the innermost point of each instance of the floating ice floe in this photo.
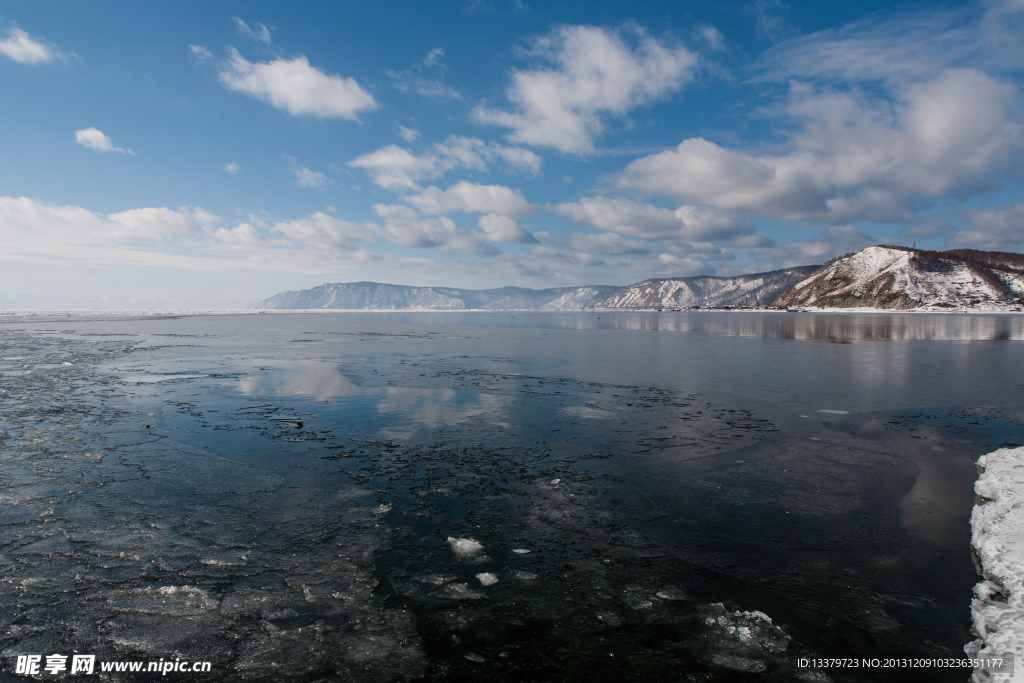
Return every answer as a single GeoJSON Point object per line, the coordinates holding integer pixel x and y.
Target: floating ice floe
{"type": "Point", "coordinates": [834, 412]}
{"type": "Point", "coordinates": [152, 379]}
{"type": "Point", "coordinates": [460, 591]}
{"type": "Point", "coordinates": [997, 534]}
{"type": "Point", "coordinates": [521, 575]}
{"type": "Point", "coordinates": [487, 578]}
{"type": "Point", "coordinates": [465, 547]}
{"type": "Point", "coordinates": [670, 593]}
{"type": "Point", "coordinates": [520, 551]}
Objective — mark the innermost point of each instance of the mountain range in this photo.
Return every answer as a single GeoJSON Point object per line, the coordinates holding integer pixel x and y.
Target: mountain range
{"type": "Point", "coordinates": [882, 277]}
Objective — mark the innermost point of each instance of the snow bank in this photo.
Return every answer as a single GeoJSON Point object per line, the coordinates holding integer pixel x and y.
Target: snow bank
{"type": "Point", "coordinates": [997, 534]}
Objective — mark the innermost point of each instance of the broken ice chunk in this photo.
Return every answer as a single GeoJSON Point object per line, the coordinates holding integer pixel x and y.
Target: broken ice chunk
{"type": "Point", "coordinates": [460, 591]}
{"type": "Point", "coordinates": [487, 578]}
{"type": "Point", "coordinates": [465, 547]}
{"type": "Point", "coordinates": [523, 576]}
{"type": "Point", "coordinates": [474, 657]}
{"type": "Point", "coordinates": [520, 551]}
{"type": "Point", "coordinates": [671, 593]}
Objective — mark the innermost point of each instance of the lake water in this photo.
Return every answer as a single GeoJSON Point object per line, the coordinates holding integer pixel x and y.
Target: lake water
{"type": "Point", "coordinates": [659, 496]}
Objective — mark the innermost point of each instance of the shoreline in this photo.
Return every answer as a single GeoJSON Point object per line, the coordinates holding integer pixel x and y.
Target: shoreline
{"type": "Point", "coordinates": [997, 540]}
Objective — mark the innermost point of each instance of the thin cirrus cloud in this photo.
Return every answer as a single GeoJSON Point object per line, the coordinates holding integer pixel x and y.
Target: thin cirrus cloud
{"type": "Point", "coordinates": [293, 85]}
{"type": "Point", "coordinates": [93, 138]}
{"type": "Point", "coordinates": [23, 48]}
{"type": "Point", "coordinates": [306, 177]}
{"type": "Point", "coordinates": [586, 74]}
{"type": "Point", "coordinates": [257, 32]}
{"type": "Point", "coordinates": [231, 167]}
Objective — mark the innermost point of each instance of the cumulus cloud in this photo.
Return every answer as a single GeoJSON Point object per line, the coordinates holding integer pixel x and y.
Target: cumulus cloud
{"type": "Point", "coordinates": [584, 75]}
{"type": "Point", "coordinates": [324, 232]}
{"type": "Point", "coordinates": [853, 157]}
{"type": "Point", "coordinates": [395, 168]}
{"type": "Point", "coordinates": [294, 86]}
{"type": "Point", "coordinates": [639, 219]}
{"type": "Point", "coordinates": [94, 138]}
{"type": "Point", "coordinates": [472, 198]}
{"type": "Point", "coordinates": [25, 221]}
{"type": "Point", "coordinates": [23, 48]}
{"type": "Point", "coordinates": [257, 32]}
{"type": "Point", "coordinates": [501, 228]}
{"type": "Point", "coordinates": [230, 167]}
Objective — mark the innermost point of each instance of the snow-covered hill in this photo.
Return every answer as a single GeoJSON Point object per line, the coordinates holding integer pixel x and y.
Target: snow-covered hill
{"type": "Point", "coordinates": [378, 296]}
{"type": "Point", "coordinates": [704, 290]}
{"type": "Point", "coordinates": [904, 279]}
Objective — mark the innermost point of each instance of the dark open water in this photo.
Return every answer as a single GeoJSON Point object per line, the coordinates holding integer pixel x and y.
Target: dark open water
{"type": "Point", "coordinates": [703, 496]}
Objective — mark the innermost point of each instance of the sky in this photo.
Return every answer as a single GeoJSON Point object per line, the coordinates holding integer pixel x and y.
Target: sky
{"type": "Point", "coordinates": [211, 154]}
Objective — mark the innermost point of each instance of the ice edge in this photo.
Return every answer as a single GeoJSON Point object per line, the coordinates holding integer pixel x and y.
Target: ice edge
{"type": "Point", "coordinates": [997, 536]}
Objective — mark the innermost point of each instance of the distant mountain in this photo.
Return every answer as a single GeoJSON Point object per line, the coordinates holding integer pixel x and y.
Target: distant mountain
{"type": "Point", "coordinates": [377, 296]}
{"type": "Point", "coordinates": [900, 278]}
{"type": "Point", "coordinates": [703, 290]}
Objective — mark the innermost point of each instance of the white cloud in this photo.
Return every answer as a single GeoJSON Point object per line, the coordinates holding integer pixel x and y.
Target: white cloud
{"type": "Point", "coordinates": [258, 32]}
{"type": "Point", "coordinates": [405, 227]}
{"type": "Point", "coordinates": [294, 86]}
{"type": "Point", "coordinates": [501, 228]}
{"type": "Point", "coordinates": [638, 219]}
{"type": "Point", "coordinates": [415, 80]}
{"type": "Point", "coordinates": [903, 45]}
{"type": "Point", "coordinates": [394, 168]}
{"type": "Point", "coordinates": [1000, 229]}
{"type": "Point", "coordinates": [472, 198]}
{"type": "Point", "coordinates": [607, 243]}
{"type": "Point", "coordinates": [407, 134]}
{"type": "Point", "coordinates": [95, 139]}
{"type": "Point", "coordinates": [305, 177]}
{"type": "Point", "coordinates": [230, 167]}
{"type": "Point", "coordinates": [324, 232]}
{"type": "Point", "coordinates": [24, 221]}
{"type": "Point", "coordinates": [243, 233]}
{"type": "Point", "coordinates": [853, 157]}
{"type": "Point", "coordinates": [592, 73]}
{"type": "Point", "coordinates": [200, 53]}
{"type": "Point", "coordinates": [835, 241]}
{"type": "Point", "coordinates": [23, 48]}
{"type": "Point", "coordinates": [713, 36]}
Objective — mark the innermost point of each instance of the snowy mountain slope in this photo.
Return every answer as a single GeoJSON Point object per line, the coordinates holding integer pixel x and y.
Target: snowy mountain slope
{"type": "Point", "coordinates": [378, 296]}
{"type": "Point", "coordinates": [704, 290]}
{"type": "Point", "coordinates": [904, 279]}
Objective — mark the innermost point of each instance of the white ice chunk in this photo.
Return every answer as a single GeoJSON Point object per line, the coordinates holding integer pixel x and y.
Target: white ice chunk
{"type": "Point", "coordinates": [465, 547]}
{"type": "Point", "coordinates": [834, 412]}
{"type": "Point", "coordinates": [487, 578]}
{"type": "Point", "coordinates": [997, 534]}
{"type": "Point", "coordinates": [520, 551]}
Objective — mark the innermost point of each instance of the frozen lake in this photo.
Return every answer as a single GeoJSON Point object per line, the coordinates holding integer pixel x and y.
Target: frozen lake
{"type": "Point", "coordinates": [499, 496]}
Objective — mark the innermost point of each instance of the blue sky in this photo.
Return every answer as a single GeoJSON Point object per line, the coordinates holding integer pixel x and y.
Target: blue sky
{"type": "Point", "coordinates": [212, 154]}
